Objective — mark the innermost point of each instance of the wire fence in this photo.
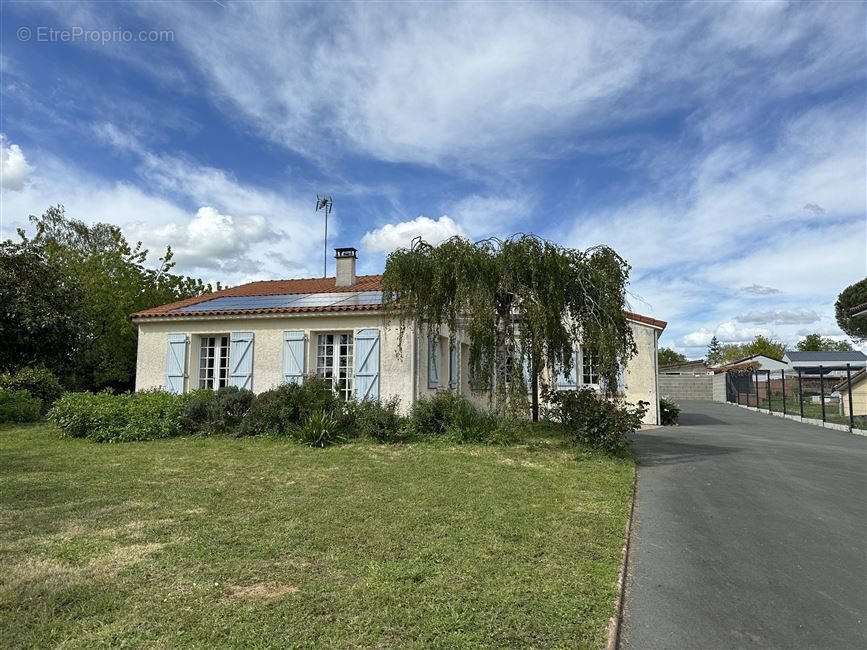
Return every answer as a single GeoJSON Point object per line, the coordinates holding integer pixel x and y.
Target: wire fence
{"type": "Point", "coordinates": [836, 394]}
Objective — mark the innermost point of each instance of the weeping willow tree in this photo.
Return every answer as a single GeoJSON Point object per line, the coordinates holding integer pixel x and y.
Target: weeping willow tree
{"type": "Point", "coordinates": [523, 302]}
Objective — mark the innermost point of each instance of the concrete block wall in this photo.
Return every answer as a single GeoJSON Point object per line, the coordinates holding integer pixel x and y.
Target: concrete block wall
{"type": "Point", "coordinates": [687, 387]}
{"type": "Point", "coordinates": [719, 387]}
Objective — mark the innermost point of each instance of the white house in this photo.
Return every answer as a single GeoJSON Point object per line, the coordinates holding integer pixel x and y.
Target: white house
{"type": "Point", "coordinates": [261, 334]}
{"type": "Point", "coordinates": [832, 363]}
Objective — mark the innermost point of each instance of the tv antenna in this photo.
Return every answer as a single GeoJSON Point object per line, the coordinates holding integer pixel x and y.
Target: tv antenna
{"type": "Point", "coordinates": [324, 203]}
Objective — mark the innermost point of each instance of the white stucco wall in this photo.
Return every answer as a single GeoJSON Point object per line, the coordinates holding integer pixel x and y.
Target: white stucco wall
{"type": "Point", "coordinates": [395, 373]}
{"type": "Point", "coordinates": [396, 377]}
{"type": "Point", "coordinates": [641, 372]}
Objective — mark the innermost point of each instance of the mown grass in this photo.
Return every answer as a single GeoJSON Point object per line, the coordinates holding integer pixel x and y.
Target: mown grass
{"type": "Point", "coordinates": [263, 542]}
{"type": "Point", "coordinates": [811, 410]}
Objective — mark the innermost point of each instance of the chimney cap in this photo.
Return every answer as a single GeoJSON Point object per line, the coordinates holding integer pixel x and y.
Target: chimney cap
{"type": "Point", "coordinates": [347, 251]}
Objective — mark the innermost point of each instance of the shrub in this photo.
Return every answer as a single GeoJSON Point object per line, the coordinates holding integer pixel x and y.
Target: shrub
{"type": "Point", "coordinates": [19, 406]}
{"type": "Point", "coordinates": [151, 415]}
{"type": "Point", "coordinates": [452, 416]}
{"type": "Point", "coordinates": [96, 416]}
{"type": "Point", "coordinates": [198, 413]}
{"type": "Point", "coordinates": [281, 410]}
{"type": "Point", "coordinates": [229, 407]}
{"type": "Point", "coordinates": [39, 382]}
{"type": "Point", "coordinates": [380, 421]}
{"type": "Point", "coordinates": [104, 417]}
{"type": "Point", "coordinates": [669, 412]}
{"type": "Point", "coordinates": [596, 421]}
{"type": "Point", "coordinates": [320, 429]}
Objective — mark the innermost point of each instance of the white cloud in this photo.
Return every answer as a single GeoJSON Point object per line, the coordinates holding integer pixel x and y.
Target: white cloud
{"type": "Point", "coordinates": [727, 332]}
{"type": "Point", "coordinates": [780, 316]}
{"type": "Point", "coordinates": [14, 168]}
{"type": "Point", "coordinates": [486, 216]}
{"type": "Point", "coordinates": [759, 290]}
{"type": "Point", "coordinates": [400, 235]}
{"type": "Point", "coordinates": [220, 228]}
{"type": "Point", "coordinates": [473, 83]}
{"type": "Point", "coordinates": [210, 240]}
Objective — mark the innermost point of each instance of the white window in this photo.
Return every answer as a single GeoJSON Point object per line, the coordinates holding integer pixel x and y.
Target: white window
{"type": "Point", "coordinates": [589, 369]}
{"type": "Point", "coordinates": [334, 362]}
{"type": "Point", "coordinates": [214, 361]}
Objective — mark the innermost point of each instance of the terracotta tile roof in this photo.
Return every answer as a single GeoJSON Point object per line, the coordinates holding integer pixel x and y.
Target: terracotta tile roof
{"type": "Point", "coordinates": [645, 319]}
{"type": "Point", "coordinates": [305, 285]}
{"type": "Point", "coordinates": [271, 288]}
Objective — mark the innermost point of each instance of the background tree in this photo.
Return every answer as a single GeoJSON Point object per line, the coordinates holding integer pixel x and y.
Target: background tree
{"type": "Point", "coordinates": [851, 297]}
{"type": "Point", "coordinates": [39, 316]}
{"type": "Point", "coordinates": [523, 302]}
{"type": "Point", "coordinates": [714, 352]}
{"type": "Point", "coordinates": [97, 281]}
{"type": "Point", "coordinates": [667, 356]}
{"type": "Point", "coordinates": [817, 343]}
{"type": "Point", "coordinates": [760, 345]}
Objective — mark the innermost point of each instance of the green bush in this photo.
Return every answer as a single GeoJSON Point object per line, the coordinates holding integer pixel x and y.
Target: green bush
{"type": "Point", "coordinates": [198, 413]}
{"type": "Point", "coordinates": [669, 412]}
{"type": "Point", "coordinates": [596, 421]}
{"type": "Point", "coordinates": [39, 382]}
{"type": "Point", "coordinates": [453, 417]}
{"type": "Point", "coordinates": [281, 410]}
{"type": "Point", "coordinates": [153, 414]}
{"type": "Point", "coordinates": [321, 429]}
{"type": "Point", "coordinates": [100, 417]}
{"type": "Point", "coordinates": [380, 421]}
{"type": "Point", "coordinates": [105, 417]}
{"type": "Point", "coordinates": [229, 407]}
{"type": "Point", "coordinates": [19, 406]}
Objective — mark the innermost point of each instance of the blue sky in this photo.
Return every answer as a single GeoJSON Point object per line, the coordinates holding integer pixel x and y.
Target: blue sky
{"type": "Point", "coordinates": [720, 148]}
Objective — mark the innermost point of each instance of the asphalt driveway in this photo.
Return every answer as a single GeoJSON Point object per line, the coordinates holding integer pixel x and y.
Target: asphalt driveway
{"type": "Point", "coordinates": [749, 531]}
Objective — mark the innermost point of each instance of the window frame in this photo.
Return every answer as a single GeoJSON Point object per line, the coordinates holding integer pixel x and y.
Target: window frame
{"type": "Point", "coordinates": [213, 370]}
{"type": "Point", "coordinates": [339, 360]}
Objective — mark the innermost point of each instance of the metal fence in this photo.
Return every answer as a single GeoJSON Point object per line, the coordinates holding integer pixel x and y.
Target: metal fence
{"type": "Point", "coordinates": [823, 393]}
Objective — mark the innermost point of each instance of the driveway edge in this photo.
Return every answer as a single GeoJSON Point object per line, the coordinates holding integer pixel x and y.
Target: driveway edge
{"type": "Point", "coordinates": [616, 621]}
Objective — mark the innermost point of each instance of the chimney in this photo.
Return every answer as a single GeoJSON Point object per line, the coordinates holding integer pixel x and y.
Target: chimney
{"type": "Point", "coordinates": [345, 266]}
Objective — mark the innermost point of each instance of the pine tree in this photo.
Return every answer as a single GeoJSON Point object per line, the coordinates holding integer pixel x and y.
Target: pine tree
{"type": "Point", "coordinates": [714, 352]}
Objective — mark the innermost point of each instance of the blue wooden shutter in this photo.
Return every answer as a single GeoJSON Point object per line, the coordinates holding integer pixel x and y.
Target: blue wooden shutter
{"type": "Point", "coordinates": [294, 350]}
{"type": "Point", "coordinates": [241, 360]}
{"type": "Point", "coordinates": [367, 364]}
{"type": "Point", "coordinates": [176, 363]}
{"type": "Point", "coordinates": [621, 379]}
{"type": "Point", "coordinates": [454, 368]}
{"type": "Point", "coordinates": [433, 361]}
{"type": "Point", "coordinates": [570, 382]}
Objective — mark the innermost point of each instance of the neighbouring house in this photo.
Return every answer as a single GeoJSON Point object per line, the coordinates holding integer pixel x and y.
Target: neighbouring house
{"type": "Point", "coordinates": [262, 334]}
{"type": "Point", "coordinates": [858, 388]}
{"type": "Point", "coordinates": [759, 361]}
{"type": "Point", "coordinates": [831, 364]}
{"type": "Point", "coordinates": [698, 367]}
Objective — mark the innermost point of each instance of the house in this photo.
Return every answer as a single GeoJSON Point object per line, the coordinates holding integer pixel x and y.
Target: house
{"type": "Point", "coordinates": [262, 334]}
{"type": "Point", "coordinates": [832, 364]}
{"type": "Point", "coordinates": [859, 394]}
{"type": "Point", "coordinates": [760, 361]}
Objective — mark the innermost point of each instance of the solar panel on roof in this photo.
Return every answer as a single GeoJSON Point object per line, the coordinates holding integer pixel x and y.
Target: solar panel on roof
{"type": "Point", "coordinates": [282, 301]}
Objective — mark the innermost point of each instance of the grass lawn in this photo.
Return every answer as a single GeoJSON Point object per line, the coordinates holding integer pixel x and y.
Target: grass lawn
{"type": "Point", "coordinates": [811, 410]}
{"type": "Point", "coordinates": [263, 542]}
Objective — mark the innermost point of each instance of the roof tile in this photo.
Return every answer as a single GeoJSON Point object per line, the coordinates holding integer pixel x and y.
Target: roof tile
{"type": "Point", "coordinates": [304, 285]}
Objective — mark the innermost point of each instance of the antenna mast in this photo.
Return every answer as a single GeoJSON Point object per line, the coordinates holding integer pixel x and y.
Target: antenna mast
{"type": "Point", "coordinates": [324, 203]}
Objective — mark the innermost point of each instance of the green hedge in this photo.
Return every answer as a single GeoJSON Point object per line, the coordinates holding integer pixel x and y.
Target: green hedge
{"type": "Point", "coordinates": [39, 382]}
{"type": "Point", "coordinates": [19, 406]}
{"type": "Point", "coordinates": [309, 412]}
{"type": "Point", "coordinates": [104, 417]}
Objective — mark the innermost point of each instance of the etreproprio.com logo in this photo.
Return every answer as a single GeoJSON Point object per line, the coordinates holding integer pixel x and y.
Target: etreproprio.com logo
{"type": "Point", "coordinates": [45, 34]}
